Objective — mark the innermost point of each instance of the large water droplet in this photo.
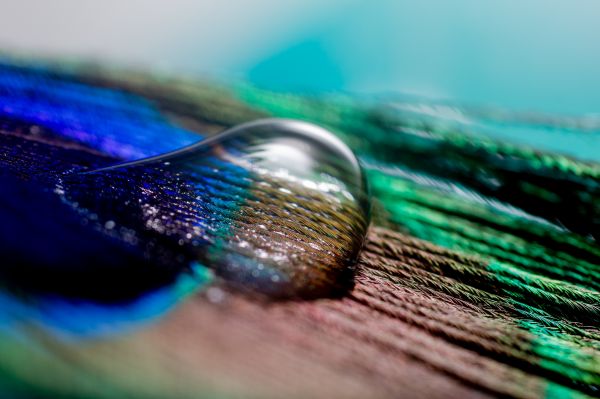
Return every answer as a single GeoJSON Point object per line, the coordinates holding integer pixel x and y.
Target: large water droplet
{"type": "Point", "coordinates": [276, 206]}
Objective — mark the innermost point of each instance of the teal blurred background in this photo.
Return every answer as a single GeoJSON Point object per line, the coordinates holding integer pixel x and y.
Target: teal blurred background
{"type": "Point", "coordinates": [522, 55]}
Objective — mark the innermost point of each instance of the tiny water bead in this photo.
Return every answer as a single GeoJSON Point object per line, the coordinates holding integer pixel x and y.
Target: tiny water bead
{"type": "Point", "coordinates": [275, 206]}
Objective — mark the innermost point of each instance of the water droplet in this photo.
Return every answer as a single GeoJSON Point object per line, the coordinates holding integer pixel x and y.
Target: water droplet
{"type": "Point", "coordinates": [276, 206]}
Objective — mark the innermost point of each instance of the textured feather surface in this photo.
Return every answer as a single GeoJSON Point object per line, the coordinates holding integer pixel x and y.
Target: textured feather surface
{"type": "Point", "coordinates": [479, 276]}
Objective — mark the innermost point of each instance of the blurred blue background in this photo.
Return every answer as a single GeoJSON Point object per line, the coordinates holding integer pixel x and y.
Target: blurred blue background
{"type": "Point", "coordinates": [522, 55]}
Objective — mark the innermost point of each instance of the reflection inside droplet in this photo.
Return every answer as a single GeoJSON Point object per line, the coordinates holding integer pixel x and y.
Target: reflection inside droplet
{"type": "Point", "coordinates": [276, 206]}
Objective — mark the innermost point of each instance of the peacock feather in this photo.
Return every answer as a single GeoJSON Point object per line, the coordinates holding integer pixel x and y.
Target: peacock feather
{"type": "Point", "coordinates": [479, 274]}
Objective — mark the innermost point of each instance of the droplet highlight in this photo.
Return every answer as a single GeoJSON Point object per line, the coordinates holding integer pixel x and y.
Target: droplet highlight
{"type": "Point", "coordinates": [275, 206]}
